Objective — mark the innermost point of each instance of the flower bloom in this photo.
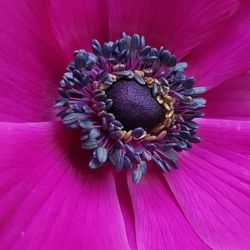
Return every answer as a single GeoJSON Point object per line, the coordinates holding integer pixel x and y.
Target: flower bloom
{"type": "Point", "coordinates": [133, 104]}
{"type": "Point", "coordinates": [50, 199]}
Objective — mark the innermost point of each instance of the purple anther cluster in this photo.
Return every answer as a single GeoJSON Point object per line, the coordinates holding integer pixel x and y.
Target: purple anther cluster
{"type": "Point", "coordinates": [132, 103]}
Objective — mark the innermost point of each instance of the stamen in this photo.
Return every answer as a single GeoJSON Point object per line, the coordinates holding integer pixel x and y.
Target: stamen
{"type": "Point", "coordinates": [132, 103]}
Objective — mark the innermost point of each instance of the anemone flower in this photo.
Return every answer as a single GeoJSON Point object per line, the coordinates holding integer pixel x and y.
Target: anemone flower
{"type": "Point", "coordinates": [75, 127]}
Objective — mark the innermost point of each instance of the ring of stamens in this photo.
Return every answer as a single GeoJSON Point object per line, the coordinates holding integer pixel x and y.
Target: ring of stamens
{"type": "Point", "coordinates": [158, 90]}
{"type": "Point", "coordinates": [84, 104]}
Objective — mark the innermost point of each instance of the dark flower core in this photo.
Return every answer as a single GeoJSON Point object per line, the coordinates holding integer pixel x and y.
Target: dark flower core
{"type": "Point", "coordinates": [134, 106]}
{"type": "Point", "coordinates": [132, 103]}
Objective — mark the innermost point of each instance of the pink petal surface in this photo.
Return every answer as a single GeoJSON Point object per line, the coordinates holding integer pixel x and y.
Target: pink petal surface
{"type": "Point", "coordinates": [230, 134]}
{"type": "Point", "coordinates": [49, 199]}
{"type": "Point", "coordinates": [212, 185]}
{"type": "Point", "coordinates": [159, 222]}
{"type": "Point", "coordinates": [126, 207]}
{"type": "Point", "coordinates": [76, 23]}
{"type": "Point", "coordinates": [225, 55]}
{"type": "Point", "coordinates": [31, 63]}
{"type": "Point", "coordinates": [178, 25]}
{"type": "Point", "coordinates": [230, 100]}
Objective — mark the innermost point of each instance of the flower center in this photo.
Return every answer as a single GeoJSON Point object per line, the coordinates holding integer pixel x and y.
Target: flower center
{"type": "Point", "coordinates": [134, 106]}
{"type": "Point", "coordinates": [132, 103]}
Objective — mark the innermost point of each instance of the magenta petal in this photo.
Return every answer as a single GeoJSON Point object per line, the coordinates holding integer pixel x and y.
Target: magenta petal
{"type": "Point", "coordinates": [230, 134]}
{"type": "Point", "coordinates": [178, 25]}
{"type": "Point", "coordinates": [76, 23]}
{"type": "Point", "coordinates": [49, 199]}
{"type": "Point", "coordinates": [212, 185]}
{"type": "Point", "coordinates": [230, 100]}
{"type": "Point", "coordinates": [31, 63]}
{"type": "Point", "coordinates": [159, 222]}
{"type": "Point", "coordinates": [224, 56]}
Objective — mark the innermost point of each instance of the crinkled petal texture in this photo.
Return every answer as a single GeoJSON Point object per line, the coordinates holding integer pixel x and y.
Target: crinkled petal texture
{"type": "Point", "coordinates": [212, 186]}
{"type": "Point", "coordinates": [48, 200]}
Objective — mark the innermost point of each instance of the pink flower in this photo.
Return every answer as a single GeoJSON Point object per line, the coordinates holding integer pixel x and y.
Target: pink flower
{"type": "Point", "coordinates": [50, 199]}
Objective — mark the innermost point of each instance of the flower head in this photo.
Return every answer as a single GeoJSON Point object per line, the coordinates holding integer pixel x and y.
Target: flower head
{"type": "Point", "coordinates": [50, 198]}
{"type": "Point", "coordinates": [132, 102]}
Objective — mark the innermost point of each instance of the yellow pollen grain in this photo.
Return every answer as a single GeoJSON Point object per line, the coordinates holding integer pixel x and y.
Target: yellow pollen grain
{"type": "Point", "coordinates": [158, 128]}
{"type": "Point", "coordinates": [139, 73]}
{"type": "Point", "coordinates": [129, 139]}
{"type": "Point", "coordinates": [167, 106]}
{"type": "Point", "coordinates": [123, 133]}
{"type": "Point", "coordinates": [162, 135]}
{"type": "Point", "coordinates": [159, 99]}
{"type": "Point", "coordinates": [167, 122]}
{"type": "Point", "coordinates": [149, 80]}
{"type": "Point", "coordinates": [169, 98]}
{"type": "Point", "coordinates": [103, 87]}
{"type": "Point", "coordinates": [128, 134]}
{"type": "Point", "coordinates": [113, 78]}
{"type": "Point", "coordinates": [168, 115]}
{"type": "Point", "coordinates": [150, 138]}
